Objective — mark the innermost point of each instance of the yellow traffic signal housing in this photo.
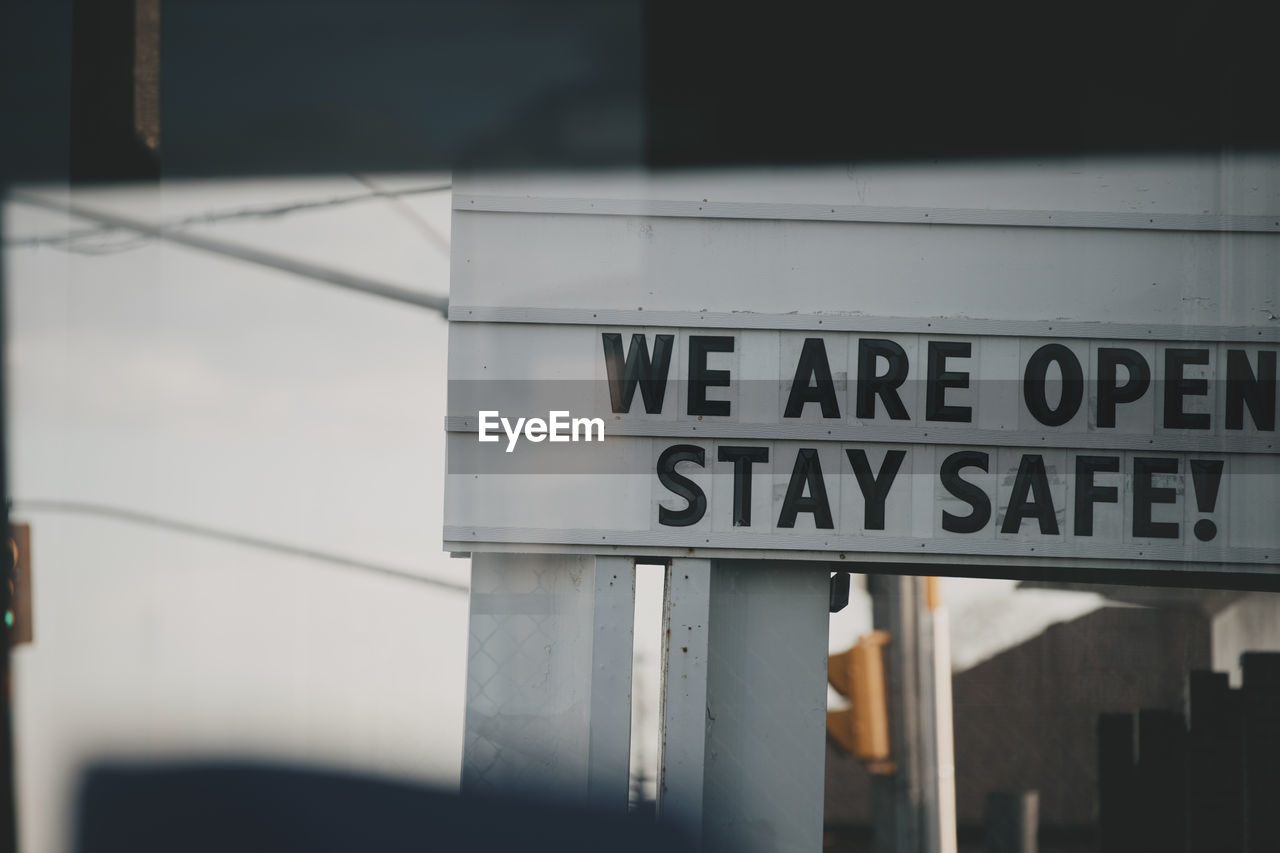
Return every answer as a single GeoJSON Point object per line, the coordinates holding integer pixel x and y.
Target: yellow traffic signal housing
{"type": "Point", "coordinates": [862, 729]}
{"type": "Point", "coordinates": [18, 617]}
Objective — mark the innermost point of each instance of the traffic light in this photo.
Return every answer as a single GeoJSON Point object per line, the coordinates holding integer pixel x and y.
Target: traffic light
{"type": "Point", "coordinates": [17, 618]}
{"type": "Point", "coordinates": [863, 728]}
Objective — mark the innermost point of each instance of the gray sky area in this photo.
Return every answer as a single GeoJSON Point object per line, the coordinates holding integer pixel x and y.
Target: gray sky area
{"type": "Point", "coordinates": [163, 379]}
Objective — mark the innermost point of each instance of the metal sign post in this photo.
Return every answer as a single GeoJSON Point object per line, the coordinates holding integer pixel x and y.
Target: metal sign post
{"type": "Point", "coordinates": [915, 805]}
{"type": "Point", "coordinates": [549, 677]}
{"type": "Point", "coordinates": [744, 699]}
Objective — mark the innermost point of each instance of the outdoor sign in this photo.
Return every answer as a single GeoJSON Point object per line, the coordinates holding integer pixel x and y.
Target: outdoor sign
{"type": "Point", "coordinates": [1137, 427]}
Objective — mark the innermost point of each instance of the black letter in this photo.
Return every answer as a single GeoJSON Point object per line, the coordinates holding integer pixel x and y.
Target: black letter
{"type": "Point", "coordinates": [1087, 494]}
{"type": "Point", "coordinates": [875, 488]}
{"type": "Point", "coordinates": [681, 485]}
{"type": "Point", "coordinates": [869, 385]}
{"type": "Point", "coordinates": [1258, 391]}
{"type": "Point", "coordinates": [742, 457]}
{"type": "Point", "coordinates": [1134, 387]}
{"type": "Point", "coordinates": [949, 474]}
{"type": "Point", "coordinates": [1033, 382]}
{"type": "Point", "coordinates": [1031, 477]}
{"type": "Point", "coordinates": [1145, 494]}
{"type": "Point", "coordinates": [700, 378]}
{"type": "Point", "coordinates": [652, 376]}
{"type": "Point", "coordinates": [940, 379]}
{"type": "Point", "coordinates": [808, 471]}
{"type": "Point", "coordinates": [813, 363]}
{"type": "Point", "coordinates": [1176, 386]}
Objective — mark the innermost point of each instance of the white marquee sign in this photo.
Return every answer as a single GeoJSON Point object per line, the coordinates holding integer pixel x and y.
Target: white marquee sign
{"type": "Point", "coordinates": [1137, 427]}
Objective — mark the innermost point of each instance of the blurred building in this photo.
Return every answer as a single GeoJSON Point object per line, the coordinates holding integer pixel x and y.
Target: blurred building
{"type": "Point", "coordinates": [1026, 718]}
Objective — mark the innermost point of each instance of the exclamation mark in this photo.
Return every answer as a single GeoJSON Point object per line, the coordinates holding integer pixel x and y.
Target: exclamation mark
{"type": "Point", "coordinates": [1206, 477]}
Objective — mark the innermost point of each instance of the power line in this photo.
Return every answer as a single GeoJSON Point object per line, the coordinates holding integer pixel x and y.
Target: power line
{"type": "Point", "coordinates": [396, 200]}
{"type": "Point", "coordinates": [69, 237]}
{"type": "Point", "coordinates": [248, 254]}
{"type": "Point", "coordinates": [246, 540]}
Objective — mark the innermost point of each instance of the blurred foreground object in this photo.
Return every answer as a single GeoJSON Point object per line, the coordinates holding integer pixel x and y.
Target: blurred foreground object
{"type": "Point", "coordinates": [203, 89]}
{"type": "Point", "coordinates": [251, 807]}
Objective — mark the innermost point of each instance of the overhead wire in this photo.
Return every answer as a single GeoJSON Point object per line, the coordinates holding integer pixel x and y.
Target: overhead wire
{"type": "Point", "coordinates": [149, 519]}
{"type": "Point", "coordinates": [248, 254]}
{"type": "Point", "coordinates": [171, 232]}
{"type": "Point", "coordinates": [398, 203]}
{"type": "Point", "coordinates": [69, 237]}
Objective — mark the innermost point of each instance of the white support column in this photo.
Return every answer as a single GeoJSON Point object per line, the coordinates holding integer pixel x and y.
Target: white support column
{"type": "Point", "coordinates": [549, 677]}
{"type": "Point", "coordinates": [609, 749]}
{"type": "Point", "coordinates": [744, 703]}
{"type": "Point", "coordinates": [685, 620]}
{"type": "Point", "coordinates": [766, 707]}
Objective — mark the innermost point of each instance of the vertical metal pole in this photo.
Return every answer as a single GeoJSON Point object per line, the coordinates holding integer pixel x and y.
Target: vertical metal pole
{"type": "Point", "coordinates": [744, 704]}
{"type": "Point", "coordinates": [914, 808]}
{"type": "Point", "coordinates": [609, 748]}
{"type": "Point", "coordinates": [927, 721]}
{"type": "Point", "coordinates": [766, 707]}
{"type": "Point", "coordinates": [896, 819]}
{"type": "Point", "coordinates": [685, 619]}
{"type": "Point", "coordinates": [538, 722]}
{"type": "Point", "coordinates": [943, 719]}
